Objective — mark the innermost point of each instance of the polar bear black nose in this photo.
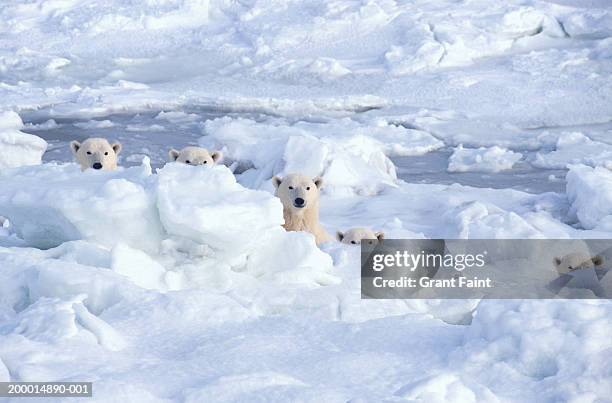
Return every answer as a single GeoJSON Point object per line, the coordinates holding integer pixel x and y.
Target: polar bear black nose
{"type": "Point", "coordinates": [97, 165]}
{"type": "Point", "coordinates": [299, 202]}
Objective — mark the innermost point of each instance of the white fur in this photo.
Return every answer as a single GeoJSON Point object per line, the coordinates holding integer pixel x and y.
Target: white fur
{"type": "Point", "coordinates": [195, 156]}
{"type": "Point", "coordinates": [96, 153]}
{"type": "Point", "coordinates": [356, 235]}
{"type": "Point", "coordinates": [576, 260]}
{"type": "Point", "coordinates": [301, 217]}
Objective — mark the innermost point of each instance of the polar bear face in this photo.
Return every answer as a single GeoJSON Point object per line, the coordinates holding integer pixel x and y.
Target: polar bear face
{"type": "Point", "coordinates": [574, 261]}
{"type": "Point", "coordinates": [195, 156]}
{"type": "Point", "coordinates": [355, 236]}
{"type": "Point", "coordinates": [96, 153]}
{"type": "Point", "coordinates": [298, 192]}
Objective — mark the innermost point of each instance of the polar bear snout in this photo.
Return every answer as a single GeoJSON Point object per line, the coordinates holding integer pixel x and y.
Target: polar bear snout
{"type": "Point", "coordinates": [97, 165]}
{"type": "Point", "coordinates": [299, 202]}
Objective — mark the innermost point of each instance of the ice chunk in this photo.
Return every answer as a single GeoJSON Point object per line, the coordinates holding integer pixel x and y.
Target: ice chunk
{"type": "Point", "coordinates": [574, 148]}
{"type": "Point", "coordinates": [139, 267]}
{"type": "Point", "coordinates": [18, 148]}
{"type": "Point", "coordinates": [493, 159]}
{"type": "Point", "coordinates": [208, 206]}
{"type": "Point", "coordinates": [589, 191]}
{"type": "Point", "coordinates": [291, 258]}
{"type": "Point", "coordinates": [50, 204]}
{"type": "Point", "coordinates": [349, 155]}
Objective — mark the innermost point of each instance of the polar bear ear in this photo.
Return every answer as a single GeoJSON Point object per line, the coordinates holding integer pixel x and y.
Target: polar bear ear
{"type": "Point", "coordinates": [74, 146]}
{"type": "Point", "coordinates": [216, 156]}
{"type": "Point", "coordinates": [117, 148]}
{"type": "Point", "coordinates": [598, 260]}
{"type": "Point", "coordinates": [380, 235]}
{"type": "Point", "coordinates": [557, 261]}
{"type": "Point", "coordinates": [339, 236]}
{"type": "Point", "coordinates": [173, 154]}
{"type": "Point", "coordinates": [276, 181]}
{"type": "Point", "coordinates": [318, 181]}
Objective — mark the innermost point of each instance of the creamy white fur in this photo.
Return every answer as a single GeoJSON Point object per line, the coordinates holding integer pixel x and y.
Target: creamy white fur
{"type": "Point", "coordinates": [195, 156]}
{"type": "Point", "coordinates": [356, 235]}
{"type": "Point", "coordinates": [96, 153]}
{"type": "Point", "coordinates": [305, 217]}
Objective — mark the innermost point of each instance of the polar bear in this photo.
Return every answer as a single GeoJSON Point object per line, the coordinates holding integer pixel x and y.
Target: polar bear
{"type": "Point", "coordinates": [356, 235]}
{"type": "Point", "coordinates": [576, 260]}
{"type": "Point", "coordinates": [96, 153]}
{"type": "Point", "coordinates": [195, 156]}
{"type": "Point", "coordinates": [300, 197]}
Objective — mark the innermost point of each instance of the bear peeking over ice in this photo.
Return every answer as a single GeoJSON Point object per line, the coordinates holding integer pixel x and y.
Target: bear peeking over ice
{"type": "Point", "coordinates": [300, 197]}
{"type": "Point", "coordinates": [96, 153]}
{"type": "Point", "coordinates": [576, 261]}
{"type": "Point", "coordinates": [195, 156]}
{"type": "Point", "coordinates": [356, 235]}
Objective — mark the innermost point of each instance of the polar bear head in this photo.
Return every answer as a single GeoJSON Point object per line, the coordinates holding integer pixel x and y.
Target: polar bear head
{"type": "Point", "coordinates": [96, 153]}
{"type": "Point", "coordinates": [298, 192]}
{"type": "Point", "coordinates": [576, 260]}
{"type": "Point", "coordinates": [195, 156]}
{"type": "Point", "coordinates": [355, 236]}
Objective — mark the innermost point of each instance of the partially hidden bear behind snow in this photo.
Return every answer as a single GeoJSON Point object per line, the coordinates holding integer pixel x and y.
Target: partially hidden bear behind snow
{"type": "Point", "coordinates": [356, 235]}
{"type": "Point", "coordinates": [300, 197]}
{"type": "Point", "coordinates": [195, 156]}
{"type": "Point", "coordinates": [96, 153]}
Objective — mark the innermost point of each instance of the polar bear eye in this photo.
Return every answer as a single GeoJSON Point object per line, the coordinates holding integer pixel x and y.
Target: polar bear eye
{"type": "Point", "coordinates": [354, 242]}
{"type": "Point", "coordinates": [106, 153]}
{"type": "Point", "coordinates": [290, 187]}
{"type": "Point", "coordinates": [206, 162]}
{"type": "Point", "coordinates": [308, 188]}
{"type": "Point", "coordinates": [89, 152]}
{"type": "Point", "coordinates": [187, 162]}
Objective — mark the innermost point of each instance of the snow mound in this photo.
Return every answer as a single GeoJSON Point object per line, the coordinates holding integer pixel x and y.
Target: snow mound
{"type": "Point", "coordinates": [51, 204]}
{"type": "Point", "coordinates": [350, 156]}
{"type": "Point", "coordinates": [574, 148]}
{"type": "Point", "coordinates": [18, 148]}
{"type": "Point", "coordinates": [493, 159]}
{"type": "Point", "coordinates": [184, 227]}
{"type": "Point", "coordinates": [208, 206]}
{"type": "Point", "coordinates": [558, 344]}
{"type": "Point", "coordinates": [589, 190]}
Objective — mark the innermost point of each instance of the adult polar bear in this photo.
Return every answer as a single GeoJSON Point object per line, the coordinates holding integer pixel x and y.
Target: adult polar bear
{"type": "Point", "coordinates": [96, 153]}
{"type": "Point", "coordinates": [300, 197]}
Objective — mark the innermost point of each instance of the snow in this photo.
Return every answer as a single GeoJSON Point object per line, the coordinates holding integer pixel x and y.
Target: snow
{"type": "Point", "coordinates": [165, 282]}
{"type": "Point", "coordinates": [16, 147]}
{"type": "Point", "coordinates": [590, 195]}
{"type": "Point", "coordinates": [492, 159]}
{"type": "Point", "coordinates": [52, 204]}
{"type": "Point", "coordinates": [574, 148]}
{"type": "Point", "coordinates": [209, 206]}
{"type": "Point", "coordinates": [351, 157]}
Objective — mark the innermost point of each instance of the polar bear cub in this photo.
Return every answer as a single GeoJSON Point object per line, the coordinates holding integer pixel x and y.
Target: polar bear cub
{"type": "Point", "coordinates": [96, 153]}
{"type": "Point", "coordinates": [575, 261]}
{"type": "Point", "coordinates": [195, 156]}
{"type": "Point", "coordinates": [300, 197]}
{"type": "Point", "coordinates": [356, 235]}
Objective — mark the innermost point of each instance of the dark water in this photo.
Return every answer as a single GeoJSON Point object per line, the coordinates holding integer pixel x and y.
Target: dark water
{"type": "Point", "coordinates": [148, 134]}
{"type": "Point", "coordinates": [431, 168]}
{"type": "Point", "coordinates": [139, 133]}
